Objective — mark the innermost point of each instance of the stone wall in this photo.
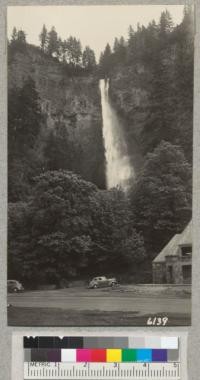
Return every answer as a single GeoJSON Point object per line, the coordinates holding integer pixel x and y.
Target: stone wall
{"type": "Point", "coordinates": [159, 273]}
{"type": "Point", "coordinates": [170, 271]}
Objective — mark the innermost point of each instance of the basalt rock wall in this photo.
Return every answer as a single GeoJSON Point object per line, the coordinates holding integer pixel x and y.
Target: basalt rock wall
{"type": "Point", "coordinates": [71, 105]}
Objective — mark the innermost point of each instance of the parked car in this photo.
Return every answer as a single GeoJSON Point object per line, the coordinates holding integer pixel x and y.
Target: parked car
{"type": "Point", "coordinates": [14, 286]}
{"type": "Point", "coordinates": [102, 281]}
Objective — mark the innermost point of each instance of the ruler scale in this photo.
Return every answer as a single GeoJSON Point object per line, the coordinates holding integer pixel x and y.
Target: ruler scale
{"type": "Point", "coordinates": [105, 371]}
{"type": "Point", "coordinates": [105, 358]}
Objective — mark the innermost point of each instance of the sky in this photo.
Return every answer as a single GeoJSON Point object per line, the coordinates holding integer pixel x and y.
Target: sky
{"type": "Point", "coordinates": [94, 25]}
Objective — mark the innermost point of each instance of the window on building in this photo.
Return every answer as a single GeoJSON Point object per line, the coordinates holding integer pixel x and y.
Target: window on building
{"type": "Point", "coordinates": [186, 250]}
{"type": "Point", "coordinates": [187, 273]}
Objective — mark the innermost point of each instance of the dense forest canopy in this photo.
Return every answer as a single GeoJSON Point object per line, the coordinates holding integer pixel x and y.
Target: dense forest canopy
{"type": "Point", "coordinates": [68, 227]}
{"type": "Point", "coordinates": [159, 58]}
{"type": "Point", "coordinates": [62, 226]}
{"type": "Point", "coordinates": [68, 51]}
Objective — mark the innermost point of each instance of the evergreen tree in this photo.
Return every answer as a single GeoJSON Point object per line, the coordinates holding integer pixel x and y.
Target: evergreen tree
{"type": "Point", "coordinates": [116, 45]}
{"type": "Point", "coordinates": [89, 60]}
{"type": "Point", "coordinates": [159, 122]}
{"type": "Point", "coordinates": [52, 44]}
{"type": "Point", "coordinates": [136, 44]}
{"type": "Point", "coordinates": [166, 25]}
{"type": "Point", "coordinates": [74, 51]}
{"type": "Point", "coordinates": [60, 50]}
{"type": "Point", "coordinates": [43, 37]}
{"type": "Point", "coordinates": [24, 116]}
{"type": "Point", "coordinates": [14, 35]}
{"type": "Point", "coordinates": [130, 33]}
{"type": "Point", "coordinates": [183, 80]}
{"type": "Point", "coordinates": [106, 61]}
{"type": "Point", "coordinates": [18, 40]}
{"type": "Point", "coordinates": [184, 58]}
{"type": "Point", "coordinates": [150, 55]}
{"type": "Point", "coordinates": [63, 50]}
{"type": "Point", "coordinates": [119, 50]}
{"type": "Point", "coordinates": [162, 196]}
{"type": "Point", "coordinates": [24, 123]}
{"type": "Point", "coordinates": [21, 37]}
{"type": "Point", "coordinates": [131, 44]}
{"type": "Point", "coordinates": [114, 233]}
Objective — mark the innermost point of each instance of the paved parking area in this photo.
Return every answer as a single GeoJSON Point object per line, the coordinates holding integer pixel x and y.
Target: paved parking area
{"type": "Point", "coordinates": [122, 299]}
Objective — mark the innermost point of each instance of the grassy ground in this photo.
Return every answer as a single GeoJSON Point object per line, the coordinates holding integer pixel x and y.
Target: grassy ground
{"type": "Point", "coordinates": [54, 317]}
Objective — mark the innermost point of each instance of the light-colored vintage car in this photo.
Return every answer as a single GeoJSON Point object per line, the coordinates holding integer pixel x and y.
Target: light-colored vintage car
{"type": "Point", "coordinates": [102, 281]}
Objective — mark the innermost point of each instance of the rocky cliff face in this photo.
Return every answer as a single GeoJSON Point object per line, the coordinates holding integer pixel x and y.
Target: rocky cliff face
{"type": "Point", "coordinates": [130, 94]}
{"type": "Point", "coordinates": [156, 100]}
{"type": "Point", "coordinates": [71, 105]}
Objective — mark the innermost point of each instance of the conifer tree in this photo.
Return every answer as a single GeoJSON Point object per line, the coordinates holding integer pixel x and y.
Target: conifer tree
{"type": "Point", "coordinates": [130, 32]}
{"type": "Point", "coordinates": [52, 46]}
{"type": "Point", "coordinates": [89, 60]}
{"type": "Point", "coordinates": [24, 116]}
{"type": "Point", "coordinates": [162, 195]}
{"type": "Point", "coordinates": [18, 40]}
{"type": "Point", "coordinates": [73, 51]}
{"type": "Point", "coordinates": [21, 37]}
{"type": "Point", "coordinates": [166, 23]}
{"type": "Point", "coordinates": [105, 62]}
{"type": "Point", "coordinates": [116, 45]}
{"type": "Point", "coordinates": [14, 35]}
{"type": "Point", "coordinates": [119, 50]}
{"type": "Point", "coordinates": [43, 38]}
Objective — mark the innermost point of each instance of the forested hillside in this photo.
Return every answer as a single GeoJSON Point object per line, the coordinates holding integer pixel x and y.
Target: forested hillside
{"type": "Point", "coordinates": [151, 81]}
{"type": "Point", "coordinates": [55, 118]}
{"type": "Point", "coordinates": [60, 225]}
{"type": "Point", "coordinates": [63, 223]}
{"type": "Point", "coordinates": [151, 86]}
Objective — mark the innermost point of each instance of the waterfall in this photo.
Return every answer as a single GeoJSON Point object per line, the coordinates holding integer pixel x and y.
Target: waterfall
{"type": "Point", "coordinates": [119, 171]}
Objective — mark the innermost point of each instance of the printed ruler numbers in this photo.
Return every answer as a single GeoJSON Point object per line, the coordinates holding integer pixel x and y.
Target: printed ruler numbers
{"type": "Point", "coordinates": [105, 371]}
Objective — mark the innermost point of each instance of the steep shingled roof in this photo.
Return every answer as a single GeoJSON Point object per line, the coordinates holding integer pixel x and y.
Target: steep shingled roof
{"type": "Point", "coordinates": [172, 247]}
{"type": "Point", "coordinates": [186, 236]}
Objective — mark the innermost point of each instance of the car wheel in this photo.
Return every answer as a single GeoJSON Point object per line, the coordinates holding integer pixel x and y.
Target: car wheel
{"type": "Point", "coordinates": [15, 290]}
{"type": "Point", "coordinates": [113, 284]}
{"type": "Point", "coordinates": [95, 286]}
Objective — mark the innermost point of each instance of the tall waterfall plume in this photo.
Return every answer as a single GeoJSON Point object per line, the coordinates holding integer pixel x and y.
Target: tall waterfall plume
{"type": "Point", "coordinates": [119, 171]}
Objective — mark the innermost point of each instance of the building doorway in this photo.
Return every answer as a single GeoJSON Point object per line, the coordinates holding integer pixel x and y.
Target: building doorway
{"type": "Point", "coordinates": [170, 274]}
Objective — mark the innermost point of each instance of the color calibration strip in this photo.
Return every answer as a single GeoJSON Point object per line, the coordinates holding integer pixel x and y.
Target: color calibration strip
{"type": "Point", "coordinates": [157, 342]}
{"type": "Point", "coordinates": [85, 355]}
{"type": "Point", "coordinates": [101, 350]}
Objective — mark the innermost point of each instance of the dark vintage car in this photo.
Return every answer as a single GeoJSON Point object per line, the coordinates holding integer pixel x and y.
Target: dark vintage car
{"type": "Point", "coordinates": [14, 286]}
{"type": "Point", "coordinates": [102, 281]}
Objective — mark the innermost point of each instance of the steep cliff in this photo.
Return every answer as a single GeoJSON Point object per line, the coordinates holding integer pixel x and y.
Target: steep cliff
{"type": "Point", "coordinates": [151, 83]}
{"type": "Point", "coordinates": [153, 102]}
{"type": "Point", "coordinates": [72, 109]}
{"type": "Point", "coordinates": [130, 94]}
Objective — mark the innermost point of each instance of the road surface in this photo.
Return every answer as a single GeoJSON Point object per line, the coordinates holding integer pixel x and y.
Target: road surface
{"type": "Point", "coordinates": [84, 299]}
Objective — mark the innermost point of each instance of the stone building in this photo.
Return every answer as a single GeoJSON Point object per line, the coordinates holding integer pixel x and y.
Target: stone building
{"type": "Point", "coordinates": [173, 265]}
